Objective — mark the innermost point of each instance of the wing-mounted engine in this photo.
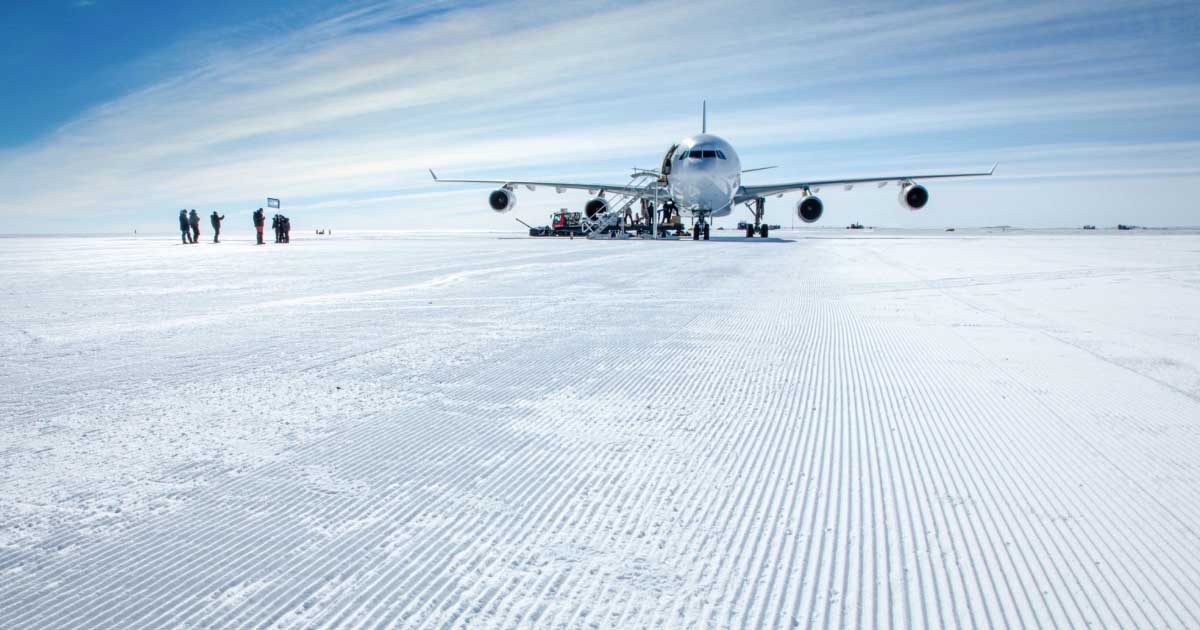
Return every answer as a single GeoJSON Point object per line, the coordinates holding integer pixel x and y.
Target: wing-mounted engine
{"type": "Point", "coordinates": [502, 200]}
{"type": "Point", "coordinates": [809, 208]}
{"type": "Point", "coordinates": [913, 196]}
{"type": "Point", "coordinates": [596, 206]}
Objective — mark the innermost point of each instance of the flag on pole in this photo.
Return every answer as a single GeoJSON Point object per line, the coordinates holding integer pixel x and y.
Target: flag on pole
{"type": "Point", "coordinates": [272, 202]}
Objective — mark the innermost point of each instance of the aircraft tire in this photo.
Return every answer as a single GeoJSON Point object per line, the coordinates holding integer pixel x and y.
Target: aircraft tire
{"type": "Point", "coordinates": [764, 231]}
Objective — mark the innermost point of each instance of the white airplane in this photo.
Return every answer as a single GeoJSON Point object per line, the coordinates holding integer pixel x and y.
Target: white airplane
{"type": "Point", "coordinates": [701, 176]}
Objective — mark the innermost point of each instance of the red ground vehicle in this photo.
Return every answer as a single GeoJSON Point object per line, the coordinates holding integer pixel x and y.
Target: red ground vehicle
{"type": "Point", "coordinates": [562, 223]}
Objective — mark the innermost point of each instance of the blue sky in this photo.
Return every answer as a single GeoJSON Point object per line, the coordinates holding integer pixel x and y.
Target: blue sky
{"type": "Point", "coordinates": [60, 58]}
{"type": "Point", "coordinates": [119, 113]}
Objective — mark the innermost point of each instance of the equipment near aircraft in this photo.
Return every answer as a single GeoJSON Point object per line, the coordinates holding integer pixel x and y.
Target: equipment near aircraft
{"type": "Point", "coordinates": [562, 223]}
{"type": "Point", "coordinates": [701, 176]}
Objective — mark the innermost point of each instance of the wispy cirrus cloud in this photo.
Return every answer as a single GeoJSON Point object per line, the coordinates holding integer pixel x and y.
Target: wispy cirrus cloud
{"type": "Point", "coordinates": [342, 116]}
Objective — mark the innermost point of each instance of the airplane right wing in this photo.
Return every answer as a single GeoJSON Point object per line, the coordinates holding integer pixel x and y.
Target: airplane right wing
{"type": "Point", "coordinates": [747, 193]}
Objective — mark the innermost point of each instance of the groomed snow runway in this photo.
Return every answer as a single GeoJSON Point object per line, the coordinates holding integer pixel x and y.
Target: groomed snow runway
{"type": "Point", "coordinates": [830, 430]}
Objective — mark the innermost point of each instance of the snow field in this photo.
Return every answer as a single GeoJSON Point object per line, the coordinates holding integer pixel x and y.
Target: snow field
{"type": "Point", "coordinates": [897, 430]}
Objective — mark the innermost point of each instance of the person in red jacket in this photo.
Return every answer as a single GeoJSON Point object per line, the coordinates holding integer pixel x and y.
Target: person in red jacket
{"type": "Point", "coordinates": [259, 219]}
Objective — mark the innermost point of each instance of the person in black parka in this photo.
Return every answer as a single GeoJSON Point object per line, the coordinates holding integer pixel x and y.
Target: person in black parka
{"type": "Point", "coordinates": [185, 230]}
{"type": "Point", "coordinates": [259, 219]}
{"type": "Point", "coordinates": [194, 220]}
{"type": "Point", "coordinates": [216, 220]}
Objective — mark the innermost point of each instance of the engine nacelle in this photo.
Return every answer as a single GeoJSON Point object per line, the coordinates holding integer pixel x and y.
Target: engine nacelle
{"type": "Point", "coordinates": [809, 209]}
{"type": "Point", "coordinates": [502, 200]}
{"type": "Point", "coordinates": [596, 206]}
{"type": "Point", "coordinates": [913, 196]}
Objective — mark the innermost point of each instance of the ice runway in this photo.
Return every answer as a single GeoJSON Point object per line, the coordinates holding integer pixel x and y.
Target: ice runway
{"type": "Point", "coordinates": [889, 430]}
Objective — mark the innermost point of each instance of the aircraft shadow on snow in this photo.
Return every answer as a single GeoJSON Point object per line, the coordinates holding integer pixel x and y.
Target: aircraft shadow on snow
{"type": "Point", "coordinates": [743, 239]}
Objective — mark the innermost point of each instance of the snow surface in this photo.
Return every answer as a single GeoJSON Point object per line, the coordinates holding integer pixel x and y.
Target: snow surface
{"type": "Point", "coordinates": [820, 430]}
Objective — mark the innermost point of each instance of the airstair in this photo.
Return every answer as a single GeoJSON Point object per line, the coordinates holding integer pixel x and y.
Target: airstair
{"type": "Point", "coordinates": [611, 223]}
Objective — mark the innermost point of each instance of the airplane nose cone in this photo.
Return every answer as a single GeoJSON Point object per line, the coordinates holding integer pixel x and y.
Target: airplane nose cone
{"type": "Point", "coordinates": [700, 192]}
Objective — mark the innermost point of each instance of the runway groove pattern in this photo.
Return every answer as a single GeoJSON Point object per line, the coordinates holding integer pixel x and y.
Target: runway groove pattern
{"type": "Point", "coordinates": [940, 431]}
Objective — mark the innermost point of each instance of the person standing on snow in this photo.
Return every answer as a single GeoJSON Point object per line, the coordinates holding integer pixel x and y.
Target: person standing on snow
{"type": "Point", "coordinates": [194, 220]}
{"type": "Point", "coordinates": [286, 227]}
{"type": "Point", "coordinates": [184, 231]}
{"type": "Point", "coordinates": [216, 225]}
{"type": "Point", "coordinates": [259, 220]}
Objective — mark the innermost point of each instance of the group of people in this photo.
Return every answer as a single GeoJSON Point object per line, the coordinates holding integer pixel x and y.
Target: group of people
{"type": "Point", "coordinates": [283, 228]}
{"type": "Point", "coordinates": [281, 224]}
{"type": "Point", "coordinates": [189, 226]}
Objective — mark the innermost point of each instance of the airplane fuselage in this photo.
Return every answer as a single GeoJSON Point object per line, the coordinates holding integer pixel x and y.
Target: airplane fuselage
{"type": "Point", "coordinates": [705, 176]}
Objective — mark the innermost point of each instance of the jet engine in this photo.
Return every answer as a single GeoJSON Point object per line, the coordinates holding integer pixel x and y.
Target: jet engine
{"type": "Point", "coordinates": [913, 196]}
{"type": "Point", "coordinates": [809, 209]}
{"type": "Point", "coordinates": [596, 206]}
{"type": "Point", "coordinates": [502, 200]}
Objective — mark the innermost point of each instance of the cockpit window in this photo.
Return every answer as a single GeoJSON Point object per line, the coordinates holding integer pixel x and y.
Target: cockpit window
{"type": "Point", "coordinates": [710, 154]}
{"type": "Point", "coordinates": [720, 155]}
{"type": "Point", "coordinates": [696, 155]}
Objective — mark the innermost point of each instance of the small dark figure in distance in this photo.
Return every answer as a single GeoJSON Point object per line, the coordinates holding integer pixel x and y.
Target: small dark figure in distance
{"type": "Point", "coordinates": [287, 230]}
{"type": "Point", "coordinates": [275, 226]}
{"type": "Point", "coordinates": [216, 220]}
{"type": "Point", "coordinates": [194, 220]}
{"type": "Point", "coordinates": [185, 230]}
{"type": "Point", "coordinates": [259, 219]}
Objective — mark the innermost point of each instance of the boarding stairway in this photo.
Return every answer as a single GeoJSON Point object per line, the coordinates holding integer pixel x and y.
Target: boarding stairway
{"type": "Point", "coordinates": [611, 224]}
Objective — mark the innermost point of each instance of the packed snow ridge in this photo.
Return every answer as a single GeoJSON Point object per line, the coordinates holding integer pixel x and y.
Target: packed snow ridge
{"type": "Point", "coordinates": [838, 430]}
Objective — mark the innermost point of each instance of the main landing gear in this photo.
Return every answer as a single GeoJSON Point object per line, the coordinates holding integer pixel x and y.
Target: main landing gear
{"type": "Point", "coordinates": [762, 231]}
{"type": "Point", "coordinates": [758, 225]}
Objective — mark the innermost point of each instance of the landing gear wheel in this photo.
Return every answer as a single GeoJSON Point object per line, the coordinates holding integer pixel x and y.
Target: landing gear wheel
{"type": "Point", "coordinates": [749, 231]}
{"type": "Point", "coordinates": [696, 232]}
{"type": "Point", "coordinates": [763, 230]}
{"type": "Point", "coordinates": [706, 231]}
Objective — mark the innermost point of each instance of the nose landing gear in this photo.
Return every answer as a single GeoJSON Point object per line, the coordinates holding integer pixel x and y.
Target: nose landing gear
{"type": "Point", "coordinates": [700, 229]}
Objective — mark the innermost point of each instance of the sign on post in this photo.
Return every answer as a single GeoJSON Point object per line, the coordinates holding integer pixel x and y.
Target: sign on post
{"type": "Point", "coordinates": [272, 202]}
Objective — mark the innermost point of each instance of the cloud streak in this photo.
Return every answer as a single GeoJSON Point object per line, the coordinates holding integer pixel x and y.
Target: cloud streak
{"type": "Point", "coordinates": [341, 116]}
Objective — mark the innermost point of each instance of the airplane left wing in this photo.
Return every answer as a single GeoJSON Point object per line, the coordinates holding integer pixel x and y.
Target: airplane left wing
{"type": "Point", "coordinates": [747, 193]}
{"type": "Point", "coordinates": [618, 189]}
